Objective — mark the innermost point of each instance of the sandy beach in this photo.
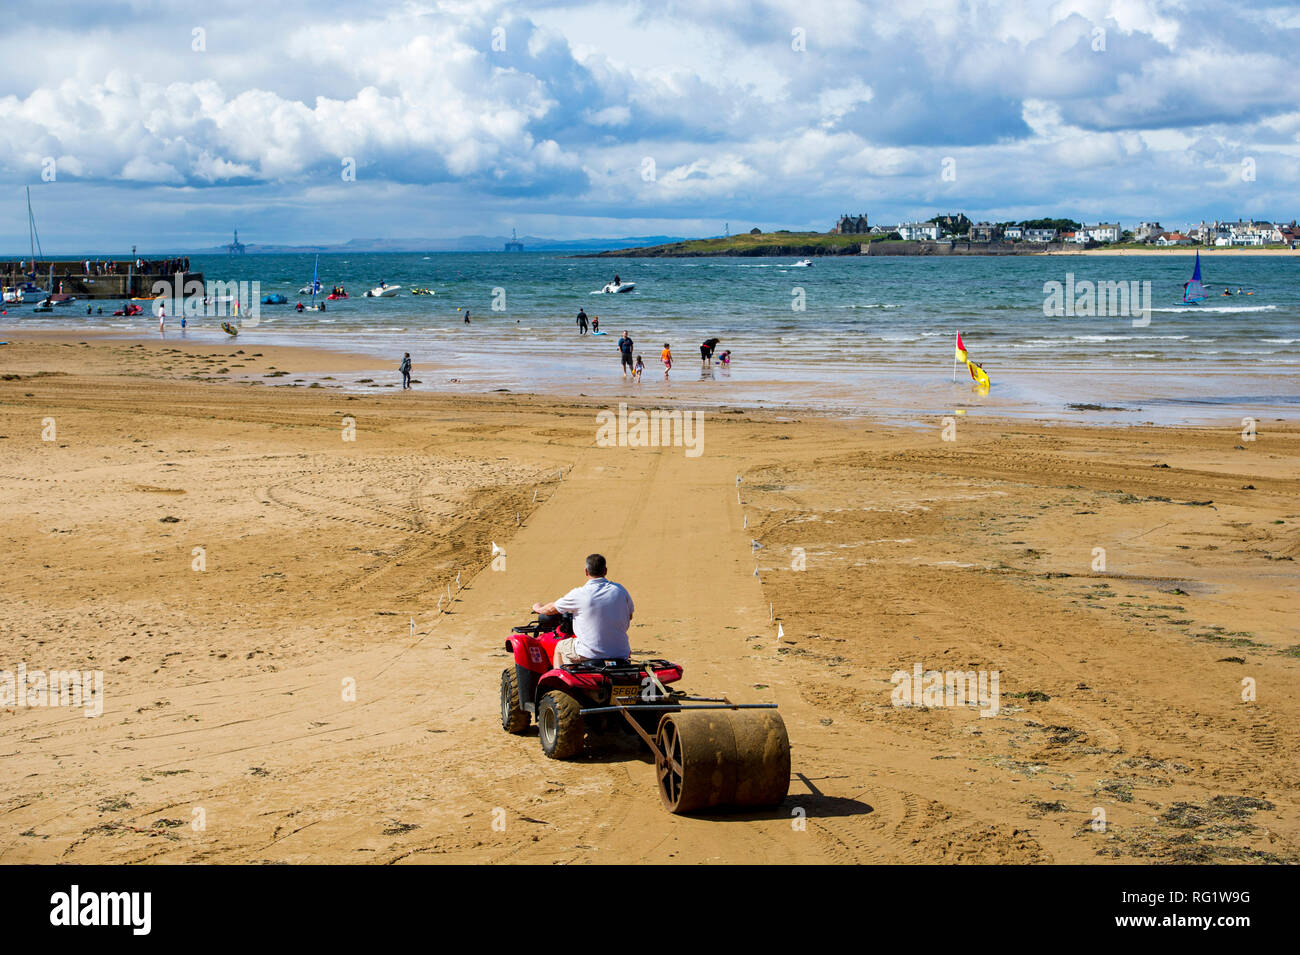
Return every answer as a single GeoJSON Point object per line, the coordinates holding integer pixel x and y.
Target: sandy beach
{"type": "Point", "coordinates": [1213, 251]}
{"type": "Point", "coordinates": [301, 634]}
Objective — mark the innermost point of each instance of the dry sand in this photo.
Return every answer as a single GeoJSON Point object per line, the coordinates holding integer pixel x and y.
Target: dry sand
{"type": "Point", "coordinates": [1121, 690]}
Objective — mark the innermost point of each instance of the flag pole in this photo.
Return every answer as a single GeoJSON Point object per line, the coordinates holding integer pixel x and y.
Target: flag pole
{"type": "Point", "coordinates": [954, 356]}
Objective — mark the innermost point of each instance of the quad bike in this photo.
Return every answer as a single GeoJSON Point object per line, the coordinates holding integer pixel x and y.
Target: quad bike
{"type": "Point", "coordinates": [708, 751]}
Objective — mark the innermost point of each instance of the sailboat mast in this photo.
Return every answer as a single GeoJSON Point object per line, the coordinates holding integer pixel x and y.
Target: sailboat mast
{"type": "Point", "coordinates": [31, 228]}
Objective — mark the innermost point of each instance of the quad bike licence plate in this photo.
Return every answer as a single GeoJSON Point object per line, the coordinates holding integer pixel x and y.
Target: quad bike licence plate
{"type": "Point", "coordinates": [624, 695]}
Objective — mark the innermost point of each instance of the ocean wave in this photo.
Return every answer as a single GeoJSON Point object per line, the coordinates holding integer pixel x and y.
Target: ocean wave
{"type": "Point", "coordinates": [1218, 308]}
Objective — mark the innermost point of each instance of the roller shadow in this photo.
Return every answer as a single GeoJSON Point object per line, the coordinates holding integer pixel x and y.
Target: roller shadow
{"type": "Point", "coordinates": [814, 808]}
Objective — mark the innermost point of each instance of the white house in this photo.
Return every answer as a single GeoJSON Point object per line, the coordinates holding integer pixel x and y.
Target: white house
{"type": "Point", "coordinates": [1174, 238]}
{"type": "Point", "coordinates": [1101, 232]}
{"type": "Point", "coordinates": [1014, 232]}
{"type": "Point", "coordinates": [919, 230]}
{"type": "Point", "coordinates": [1040, 235]}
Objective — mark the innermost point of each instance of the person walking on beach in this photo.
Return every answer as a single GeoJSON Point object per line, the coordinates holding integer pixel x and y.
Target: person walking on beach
{"type": "Point", "coordinates": [706, 349]}
{"type": "Point", "coordinates": [582, 321]}
{"type": "Point", "coordinates": [405, 369]}
{"type": "Point", "coordinates": [162, 319]}
{"type": "Point", "coordinates": [638, 370]}
{"type": "Point", "coordinates": [466, 316]}
{"type": "Point", "coordinates": [667, 359]}
{"type": "Point", "coordinates": [625, 350]}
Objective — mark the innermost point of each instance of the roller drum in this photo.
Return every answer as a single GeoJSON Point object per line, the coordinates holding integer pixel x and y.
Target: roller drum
{"type": "Point", "coordinates": [722, 758]}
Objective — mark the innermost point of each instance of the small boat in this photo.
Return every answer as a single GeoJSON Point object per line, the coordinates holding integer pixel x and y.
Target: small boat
{"type": "Point", "coordinates": [60, 298]}
{"type": "Point", "coordinates": [12, 295]}
{"type": "Point", "coordinates": [274, 300]}
{"type": "Point", "coordinates": [1193, 290]}
{"type": "Point", "coordinates": [383, 291]}
{"type": "Point", "coordinates": [130, 310]}
{"type": "Point", "coordinates": [612, 289]}
{"type": "Point", "coordinates": [314, 287]}
{"type": "Point", "coordinates": [229, 329]}
{"type": "Point", "coordinates": [333, 296]}
{"type": "Point", "coordinates": [802, 264]}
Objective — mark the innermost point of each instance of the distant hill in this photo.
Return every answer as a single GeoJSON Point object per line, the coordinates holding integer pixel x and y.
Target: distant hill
{"type": "Point", "coordinates": [465, 243]}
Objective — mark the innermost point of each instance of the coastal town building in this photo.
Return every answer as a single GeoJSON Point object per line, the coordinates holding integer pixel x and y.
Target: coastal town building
{"type": "Point", "coordinates": [1102, 232]}
{"type": "Point", "coordinates": [1147, 232]}
{"type": "Point", "coordinates": [852, 225]}
{"type": "Point", "coordinates": [1241, 232]}
{"type": "Point", "coordinates": [919, 231]}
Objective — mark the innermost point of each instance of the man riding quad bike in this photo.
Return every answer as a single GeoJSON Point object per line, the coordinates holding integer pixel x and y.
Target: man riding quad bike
{"type": "Point", "coordinates": [573, 672]}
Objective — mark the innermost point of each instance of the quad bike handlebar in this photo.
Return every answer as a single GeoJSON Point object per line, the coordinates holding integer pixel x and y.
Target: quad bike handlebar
{"type": "Point", "coordinates": [546, 622]}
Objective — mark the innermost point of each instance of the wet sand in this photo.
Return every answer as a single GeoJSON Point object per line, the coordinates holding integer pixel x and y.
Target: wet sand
{"type": "Point", "coordinates": [226, 688]}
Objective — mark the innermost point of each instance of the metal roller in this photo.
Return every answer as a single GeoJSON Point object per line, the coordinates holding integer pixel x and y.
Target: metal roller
{"type": "Point", "coordinates": [722, 757]}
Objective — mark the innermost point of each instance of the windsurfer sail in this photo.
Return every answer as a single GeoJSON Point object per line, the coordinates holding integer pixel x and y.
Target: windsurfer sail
{"type": "Point", "coordinates": [1193, 290]}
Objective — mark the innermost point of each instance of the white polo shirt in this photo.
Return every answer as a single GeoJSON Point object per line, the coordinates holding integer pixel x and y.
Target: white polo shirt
{"type": "Point", "coordinates": [601, 612]}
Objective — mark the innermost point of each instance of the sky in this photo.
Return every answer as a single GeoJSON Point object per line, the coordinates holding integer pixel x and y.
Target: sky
{"type": "Point", "coordinates": [168, 125]}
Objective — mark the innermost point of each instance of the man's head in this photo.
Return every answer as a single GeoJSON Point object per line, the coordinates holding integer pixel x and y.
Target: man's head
{"type": "Point", "coordinates": [596, 565]}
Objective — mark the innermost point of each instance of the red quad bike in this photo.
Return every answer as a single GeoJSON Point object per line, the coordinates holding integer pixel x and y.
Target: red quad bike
{"type": "Point", "coordinates": [708, 751]}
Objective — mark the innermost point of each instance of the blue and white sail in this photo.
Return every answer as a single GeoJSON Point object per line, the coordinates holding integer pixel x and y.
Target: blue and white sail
{"type": "Point", "coordinates": [1194, 291]}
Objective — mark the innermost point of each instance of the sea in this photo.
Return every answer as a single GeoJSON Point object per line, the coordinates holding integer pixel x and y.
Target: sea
{"type": "Point", "coordinates": [857, 335]}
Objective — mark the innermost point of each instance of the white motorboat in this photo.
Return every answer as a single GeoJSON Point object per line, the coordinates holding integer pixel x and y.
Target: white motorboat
{"type": "Point", "coordinates": [611, 288]}
{"type": "Point", "coordinates": [803, 264]}
{"type": "Point", "coordinates": [383, 291]}
{"type": "Point", "coordinates": [13, 296]}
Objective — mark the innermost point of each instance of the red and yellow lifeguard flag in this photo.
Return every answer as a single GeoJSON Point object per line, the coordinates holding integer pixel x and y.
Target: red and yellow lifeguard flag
{"type": "Point", "coordinates": [961, 349]}
{"type": "Point", "coordinates": [978, 374]}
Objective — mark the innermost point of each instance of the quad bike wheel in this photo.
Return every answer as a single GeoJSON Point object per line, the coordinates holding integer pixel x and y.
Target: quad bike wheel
{"type": "Point", "coordinates": [514, 718]}
{"type": "Point", "coordinates": [722, 758]}
{"type": "Point", "coordinates": [560, 725]}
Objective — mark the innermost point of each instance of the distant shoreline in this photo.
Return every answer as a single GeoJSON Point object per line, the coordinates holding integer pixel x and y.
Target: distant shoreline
{"type": "Point", "coordinates": [816, 245]}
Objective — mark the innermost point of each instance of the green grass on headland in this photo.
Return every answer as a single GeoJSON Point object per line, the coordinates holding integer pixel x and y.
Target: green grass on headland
{"type": "Point", "coordinates": [766, 243]}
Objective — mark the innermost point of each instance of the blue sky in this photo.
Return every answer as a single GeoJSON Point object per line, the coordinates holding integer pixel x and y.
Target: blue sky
{"type": "Point", "coordinates": [169, 124]}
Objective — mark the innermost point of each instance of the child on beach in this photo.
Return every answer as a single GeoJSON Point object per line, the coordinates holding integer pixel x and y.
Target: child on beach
{"type": "Point", "coordinates": [667, 359]}
{"type": "Point", "coordinates": [724, 359]}
{"type": "Point", "coordinates": [638, 369]}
